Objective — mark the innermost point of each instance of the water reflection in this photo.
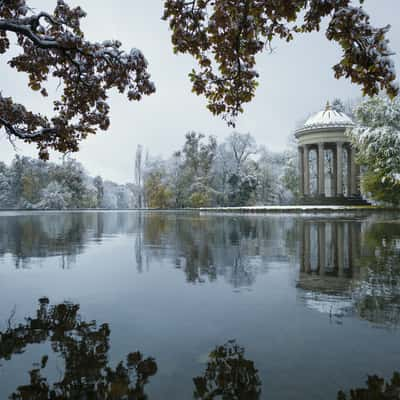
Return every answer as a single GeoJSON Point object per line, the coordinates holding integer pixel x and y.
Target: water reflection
{"type": "Point", "coordinates": [37, 236]}
{"type": "Point", "coordinates": [206, 248]}
{"type": "Point", "coordinates": [344, 266]}
{"type": "Point", "coordinates": [377, 389]}
{"type": "Point", "coordinates": [203, 248]}
{"type": "Point", "coordinates": [84, 347]}
{"type": "Point", "coordinates": [351, 267]}
{"type": "Point", "coordinates": [87, 373]}
{"type": "Point", "coordinates": [228, 375]}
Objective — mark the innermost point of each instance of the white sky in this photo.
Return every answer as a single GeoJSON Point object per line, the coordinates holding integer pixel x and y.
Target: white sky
{"type": "Point", "coordinates": [296, 79]}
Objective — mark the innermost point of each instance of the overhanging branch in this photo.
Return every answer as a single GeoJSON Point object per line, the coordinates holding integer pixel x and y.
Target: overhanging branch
{"type": "Point", "coordinates": [26, 30]}
{"type": "Point", "coordinates": [24, 134]}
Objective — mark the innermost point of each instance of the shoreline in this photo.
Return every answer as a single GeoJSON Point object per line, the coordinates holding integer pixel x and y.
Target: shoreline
{"type": "Point", "coordinates": [300, 209]}
{"type": "Point", "coordinates": [273, 209]}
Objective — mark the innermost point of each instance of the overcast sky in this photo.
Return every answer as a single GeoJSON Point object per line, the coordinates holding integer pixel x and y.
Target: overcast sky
{"type": "Point", "coordinates": [295, 79]}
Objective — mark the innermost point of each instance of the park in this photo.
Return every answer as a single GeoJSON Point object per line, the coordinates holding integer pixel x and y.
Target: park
{"type": "Point", "coordinates": [213, 214]}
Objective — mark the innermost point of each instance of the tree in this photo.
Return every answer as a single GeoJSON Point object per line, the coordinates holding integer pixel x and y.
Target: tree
{"type": "Point", "coordinates": [277, 176]}
{"type": "Point", "coordinates": [176, 179]}
{"type": "Point", "coordinates": [54, 197]}
{"type": "Point", "coordinates": [377, 142]}
{"type": "Point", "coordinates": [53, 45]}
{"type": "Point", "coordinates": [139, 174]}
{"type": "Point", "coordinates": [242, 177]}
{"type": "Point", "coordinates": [198, 159]}
{"type": "Point", "coordinates": [99, 185]}
{"type": "Point", "coordinates": [236, 172]}
{"type": "Point", "coordinates": [242, 189]}
{"type": "Point", "coordinates": [338, 105]}
{"type": "Point", "coordinates": [157, 193]}
{"type": "Point", "coordinates": [5, 187]}
{"type": "Point", "coordinates": [290, 178]}
{"type": "Point", "coordinates": [198, 155]}
{"type": "Point", "coordinates": [224, 37]}
{"type": "Point", "coordinates": [72, 176]}
{"type": "Point", "coordinates": [242, 146]}
{"type": "Point", "coordinates": [347, 107]}
{"type": "Point", "coordinates": [199, 199]}
{"type": "Point", "coordinates": [30, 183]}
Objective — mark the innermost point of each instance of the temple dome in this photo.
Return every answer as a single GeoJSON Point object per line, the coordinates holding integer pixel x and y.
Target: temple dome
{"type": "Point", "coordinates": [327, 119]}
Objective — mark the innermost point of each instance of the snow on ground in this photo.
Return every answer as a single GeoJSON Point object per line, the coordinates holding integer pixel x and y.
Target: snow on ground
{"type": "Point", "coordinates": [293, 208]}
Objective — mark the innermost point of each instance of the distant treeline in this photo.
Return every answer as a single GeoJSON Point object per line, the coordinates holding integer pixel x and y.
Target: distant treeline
{"type": "Point", "coordinates": [203, 172]}
{"type": "Point", "coordinates": [34, 184]}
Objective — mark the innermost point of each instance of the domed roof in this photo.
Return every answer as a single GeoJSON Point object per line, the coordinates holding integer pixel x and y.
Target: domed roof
{"type": "Point", "coordinates": [328, 118]}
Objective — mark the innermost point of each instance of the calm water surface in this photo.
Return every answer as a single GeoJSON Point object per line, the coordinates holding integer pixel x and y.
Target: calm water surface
{"type": "Point", "coordinates": [184, 306]}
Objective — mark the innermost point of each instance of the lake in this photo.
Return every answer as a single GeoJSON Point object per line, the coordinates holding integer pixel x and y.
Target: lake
{"type": "Point", "coordinates": [184, 305]}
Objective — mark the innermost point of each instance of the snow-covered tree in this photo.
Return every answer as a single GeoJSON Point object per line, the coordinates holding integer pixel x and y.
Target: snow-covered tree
{"type": "Point", "coordinates": [110, 198]}
{"type": "Point", "coordinates": [235, 172]}
{"type": "Point", "coordinates": [54, 196]}
{"type": "Point", "coordinates": [242, 146]}
{"type": "Point", "coordinates": [277, 177]}
{"type": "Point", "coordinates": [99, 185]}
{"type": "Point", "coordinates": [5, 187]}
{"type": "Point", "coordinates": [30, 183]}
{"type": "Point", "coordinates": [377, 141]}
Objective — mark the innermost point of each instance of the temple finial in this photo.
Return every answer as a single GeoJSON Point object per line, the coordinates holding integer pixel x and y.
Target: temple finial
{"type": "Point", "coordinates": [328, 106]}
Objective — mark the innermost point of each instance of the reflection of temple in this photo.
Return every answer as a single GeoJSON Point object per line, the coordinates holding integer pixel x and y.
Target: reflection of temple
{"type": "Point", "coordinates": [346, 270]}
{"type": "Point", "coordinates": [329, 263]}
{"type": "Point", "coordinates": [330, 248]}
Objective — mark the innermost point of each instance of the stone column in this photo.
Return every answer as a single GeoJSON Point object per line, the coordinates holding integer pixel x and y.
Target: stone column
{"type": "Point", "coordinates": [334, 173]}
{"type": "Point", "coordinates": [306, 169]}
{"type": "Point", "coordinates": [355, 175]}
{"type": "Point", "coordinates": [350, 171]}
{"type": "Point", "coordinates": [301, 169]}
{"type": "Point", "coordinates": [321, 169]}
{"type": "Point", "coordinates": [339, 169]}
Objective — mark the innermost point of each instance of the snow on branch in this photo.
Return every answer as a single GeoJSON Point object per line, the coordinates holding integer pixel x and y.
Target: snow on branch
{"type": "Point", "coordinates": [54, 45]}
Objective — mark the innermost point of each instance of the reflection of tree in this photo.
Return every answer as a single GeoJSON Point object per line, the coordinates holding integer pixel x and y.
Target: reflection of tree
{"type": "Point", "coordinates": [377, 295]}
{"type": "Point", "coordinates": [228, 376]}
{"type": "Point", "coordinates": [84, 347]}
{"type": "Point", "coordinates": [44, 235]}
{"type": "Point", "coordinates": [61, 234]}
{"type": "Point", "coordinates": [208, 247]}
{"type": "Point", "coordinates": [376, 389]}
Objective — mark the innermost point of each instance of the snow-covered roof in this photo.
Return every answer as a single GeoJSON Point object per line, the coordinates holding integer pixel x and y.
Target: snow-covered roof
{"type": "Point", "coordinates": [328, 118]}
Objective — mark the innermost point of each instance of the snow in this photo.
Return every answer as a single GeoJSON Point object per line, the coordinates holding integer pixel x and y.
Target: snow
{"type": "Point", "coordinates": [287, 208]}
{"type": "Point", "coordinates": [329, 117]}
